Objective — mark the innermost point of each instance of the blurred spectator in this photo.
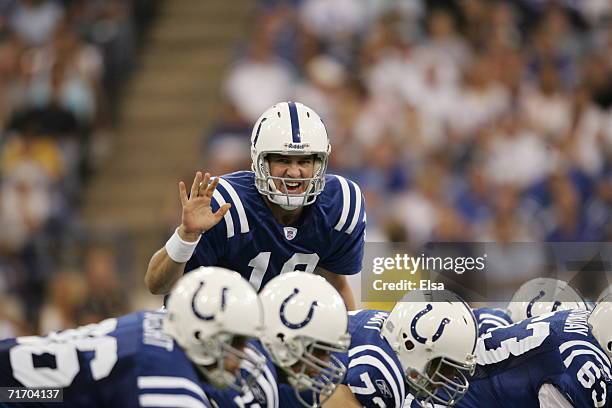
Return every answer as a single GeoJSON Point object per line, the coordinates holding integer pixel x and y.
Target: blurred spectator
{"type": "Point", "coordinates": [260, 79]}
{"type": "Point", "coordinates": [67, 292]}
{"type": "Point", "coordinates": [107, 296]}
{"type": "Point", "coordinates": [35, 20]}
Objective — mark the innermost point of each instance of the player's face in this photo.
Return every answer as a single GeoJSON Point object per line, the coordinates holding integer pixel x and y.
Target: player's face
{"type": "Point", "coordinates": [311, 371]}
{"type": "Point", "coordinates": [295, 167]}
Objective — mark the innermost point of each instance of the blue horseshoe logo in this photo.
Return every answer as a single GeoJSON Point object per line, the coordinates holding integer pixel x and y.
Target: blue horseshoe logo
{"type": "Point", "coordinates": [535, 299]}
{"type": "Point", "coordinates": [415, 320]}
{"type": "Point", "coordinates": [304, 322]}
{"type": "Point", "coordinates": [200, 315]}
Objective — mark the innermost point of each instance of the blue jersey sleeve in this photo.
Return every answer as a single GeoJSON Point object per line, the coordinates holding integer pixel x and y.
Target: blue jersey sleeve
{"type": "Point", "coordinates": [373, 387]}
{"type": "Point", "coordinates": [489, 318]}
{"type": "Point", "coordinates": [586, 381]}
{"type": "Point", "coordinates": [348, 220]}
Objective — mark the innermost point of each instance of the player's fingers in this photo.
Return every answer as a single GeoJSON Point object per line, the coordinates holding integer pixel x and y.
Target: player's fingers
{"type": "Point", "coordinates": [222, 211]}
{"type": "Point", "coordinates": [195, 185]}
{"type": "Point", "coordinates": [204, 185]}
{"type": "Point", "coordinates": [182, 193]}
{"type": "Point", "coordinates": [211, 188]}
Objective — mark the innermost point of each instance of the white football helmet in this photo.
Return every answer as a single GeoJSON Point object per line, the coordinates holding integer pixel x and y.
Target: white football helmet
{"type": "Point", "coordinates": [210, 310]}
{"type": "Point", "coordinates": [607, 292]}
{"type": "Point", "coordinates": [599, 320]}
{"type": "Point", "coordinates": [434, 335]}
{"type": "Point", "coordinates": [306, 320]}
{"type": "Point", "coordinates": [289, 128]}
{"type": "Point", "coordinates": [543, 295]}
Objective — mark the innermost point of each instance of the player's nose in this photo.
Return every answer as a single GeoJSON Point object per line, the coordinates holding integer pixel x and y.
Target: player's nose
{"type": "Point", "coordinates": [293, 170]}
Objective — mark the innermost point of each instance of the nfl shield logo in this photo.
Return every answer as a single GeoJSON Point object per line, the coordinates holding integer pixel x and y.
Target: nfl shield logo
{"type": "Point", "coordinates": [383, 388]}
{"type": "Point", "coordinates": [290, 233]}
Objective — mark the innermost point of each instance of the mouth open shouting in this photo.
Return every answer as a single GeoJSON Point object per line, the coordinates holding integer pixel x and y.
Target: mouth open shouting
{"type": "Point", "coordinates": [296, 187]}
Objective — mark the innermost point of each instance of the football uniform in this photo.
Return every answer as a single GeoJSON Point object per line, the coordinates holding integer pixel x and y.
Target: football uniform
{"type": "Point", "coordinates": [120, 362]}
{"type": "Point", "coordinates": [249, 240]}
{"type": "Point", "coordinates": [262, 390]}
{"type": "Point", "coordinates": [557, 348]}
{"type": "Point", "coordinates": [489, 318]}
{"type": "Point", "coordinates": [374, 373]}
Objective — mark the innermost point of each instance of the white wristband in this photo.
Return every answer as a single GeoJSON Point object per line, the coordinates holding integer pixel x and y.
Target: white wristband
{"type": "Point", "coordinates": [178, 250]}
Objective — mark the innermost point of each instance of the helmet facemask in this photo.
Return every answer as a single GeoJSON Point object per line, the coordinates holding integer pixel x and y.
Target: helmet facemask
{"type": "Point", "coordinates": [266, 185]}
{"type": "Point", "coordinates": [211, 361]}
{"type": "Point", "coordinates": [444, 381]}
{"type": "Point", "coordinates": [318, 370]}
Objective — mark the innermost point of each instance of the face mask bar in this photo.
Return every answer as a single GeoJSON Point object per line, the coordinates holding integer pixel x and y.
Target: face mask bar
{"type": "Point", "coordinates": [446, 384]}
{"type": "Point", "coordinates": [224, 347]}
{"type": "Point", "coordinates": [330, 373]}
{"type": "Point", "coordinates": [314, 186]}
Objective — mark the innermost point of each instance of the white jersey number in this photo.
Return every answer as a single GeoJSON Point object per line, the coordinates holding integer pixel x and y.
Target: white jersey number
{"type": "Point", "coordinates": [262, 260]}
{"type": "Point", "coordinates": [63, 346]}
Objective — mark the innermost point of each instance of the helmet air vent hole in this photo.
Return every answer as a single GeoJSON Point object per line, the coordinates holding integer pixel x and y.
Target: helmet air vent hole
{"type": "Point", "coordinates": [197, 335]}
{"type": "Point", "coordinates": [610, 346]}
{"type": "Point", "coordinates": [409, 345]}
{"type": "Point", "coordinates": [308, 114]}
{"type": "Point", "coordinates": [278, 113]}
{"type": "Point", "coordinates": [404, 335]}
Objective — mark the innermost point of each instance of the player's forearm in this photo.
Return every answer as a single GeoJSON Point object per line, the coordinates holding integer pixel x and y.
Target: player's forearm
{"type": "Point", "coordinates": [162, 273]}
{"type": "Point", "coordinates": [342, 398]}
{"type": "Point", "coordinates": [340, 283]}
{"type": "Point", "coordinates": [347, 295]}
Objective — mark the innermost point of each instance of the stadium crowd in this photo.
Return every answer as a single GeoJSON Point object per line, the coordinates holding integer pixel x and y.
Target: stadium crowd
{"type": "Point", "coordinates": [62, 64]}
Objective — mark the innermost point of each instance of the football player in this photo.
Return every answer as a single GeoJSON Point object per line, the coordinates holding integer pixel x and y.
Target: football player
{"type": "Point", "coordinates": [286, 214]}
{"type": "Point", "coordinates": [147, 359]}
{"type": "Point", "coordinates": [489, 318]}
{"type": "Point", "coordinates": [542, 295]}
{"type": "Point", "coordinates": [424, 347]}
{"type": "Point", "coordinates": [306, 322]}
{"type": "Point", "coordinates": [558, 359]}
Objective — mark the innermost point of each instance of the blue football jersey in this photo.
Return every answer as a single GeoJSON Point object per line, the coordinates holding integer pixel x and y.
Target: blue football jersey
{"type": "Point", "coordinates": [329, 234]}
{"type": "Point", "coordinates": [489, 318]}
{"type": "Point", "coordinates": [556, 348]}
{"type": "Point", "coordinates": [124, 362]}
{"type": "Point", "coordinates": [374, 373]}
{"type": "Point", "coordinates": [262, 390]}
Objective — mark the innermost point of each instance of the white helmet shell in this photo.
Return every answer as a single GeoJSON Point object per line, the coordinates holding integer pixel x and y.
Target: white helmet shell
{"type": "Point", "coordinates": [304, 312]}
{"type": "Point", "coordinates": [427, 327]}
{"type": "Point", "coordinates": [600, 321]}
{"type": "Point", "coordinates": [543, 295]}
{"type": "Point", "coordinates": [206, 309]}
{"type": "Point", "coordinates": [289, 128]}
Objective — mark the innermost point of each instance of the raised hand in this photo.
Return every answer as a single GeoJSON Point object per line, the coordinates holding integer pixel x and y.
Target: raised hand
{"type": "Point", "coordinates": [197, 216]}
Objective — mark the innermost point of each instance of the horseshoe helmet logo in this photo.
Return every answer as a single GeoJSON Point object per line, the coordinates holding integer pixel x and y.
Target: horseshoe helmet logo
{"type": "Point", "coordinates": [201, 315]}
{"type": "Point", "coordinates": [535, 299]}
{"type": "Point", "coordinates": [415, 320]}
{"type": "Point", "coordinates": [304, 322]}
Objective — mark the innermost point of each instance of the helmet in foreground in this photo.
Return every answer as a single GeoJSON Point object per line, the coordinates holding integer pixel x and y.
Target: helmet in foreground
{"type": "Point", "coordinates": [211, 313]}
{"type": "Point", "coordinates": [543, 295]}
{"type": "Point", "coordinates": [434, 335]}
{"type": "Point", "coordinates": [306, 321]}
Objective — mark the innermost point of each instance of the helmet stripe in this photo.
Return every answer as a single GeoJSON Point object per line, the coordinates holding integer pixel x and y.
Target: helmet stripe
{"type": "Point", "coordinates": [257, 133]}
{"type": "Point", "coordinates": [295, 123]}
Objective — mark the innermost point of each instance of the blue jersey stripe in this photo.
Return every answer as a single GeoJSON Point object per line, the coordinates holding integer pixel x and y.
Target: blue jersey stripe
{"type": "Point", "coordinates": [295, 123]}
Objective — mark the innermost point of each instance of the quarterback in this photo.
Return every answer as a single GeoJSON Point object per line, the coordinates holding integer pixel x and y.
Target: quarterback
{"type": "Point", "coordinates": [286, 214]}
